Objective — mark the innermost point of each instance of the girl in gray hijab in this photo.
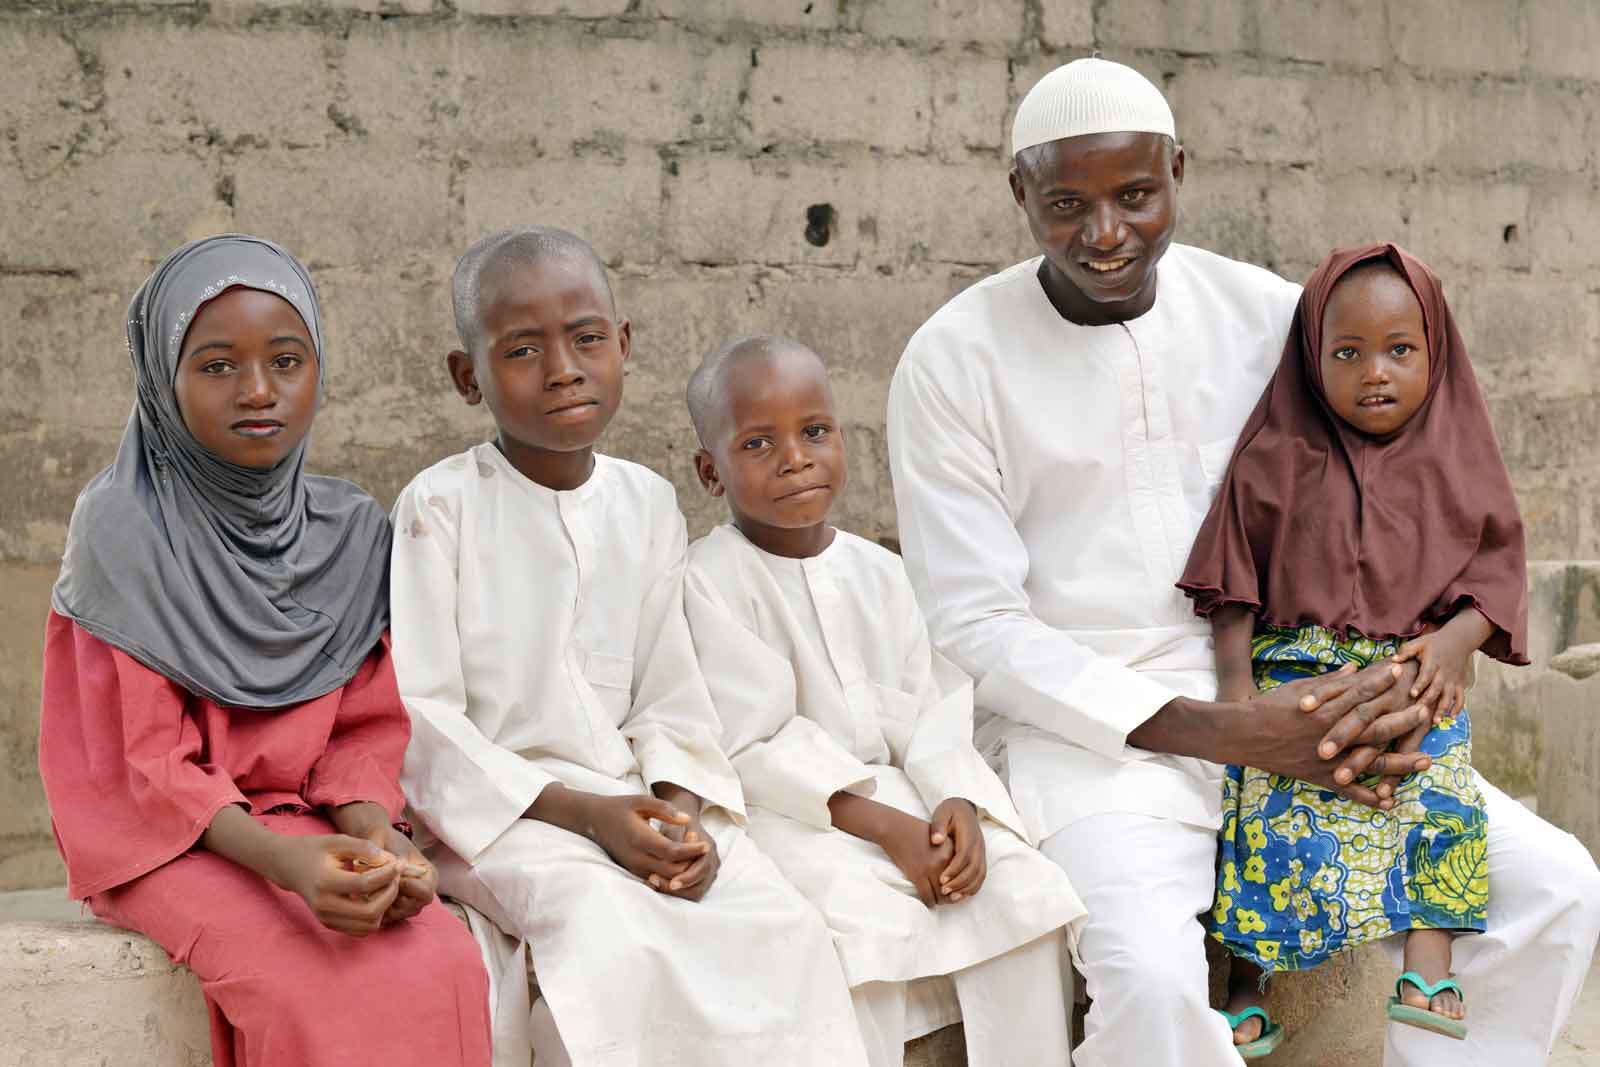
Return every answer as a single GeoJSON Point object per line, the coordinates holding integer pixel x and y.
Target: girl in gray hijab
{"type": "Point", "coordinates": [221, 733]}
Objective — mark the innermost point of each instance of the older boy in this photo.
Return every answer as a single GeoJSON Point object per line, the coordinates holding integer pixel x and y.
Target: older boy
{"type": "Point", "coordinates": [1056, 433]}
{"type": "Point", "coordinates": [853, 738]}
{"type": "Point", "coordinates": [564, 749]}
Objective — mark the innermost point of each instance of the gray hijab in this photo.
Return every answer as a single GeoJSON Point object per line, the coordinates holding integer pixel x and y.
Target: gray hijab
{"type": "Point", "coordinates": [251, 588]}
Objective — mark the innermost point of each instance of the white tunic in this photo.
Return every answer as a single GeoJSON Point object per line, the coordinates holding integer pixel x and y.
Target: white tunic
{"type": "Point", "coordinates": [1049, 480]}
{"type": "Point", "coordinates": [539, 637]}
{"type": "Point", "coordinates": [824, 679]}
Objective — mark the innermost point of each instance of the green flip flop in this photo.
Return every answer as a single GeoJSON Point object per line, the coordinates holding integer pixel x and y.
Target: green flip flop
{"type": "Point", "coordinates": [1425, 1018]}
{"type": "Point", "coordinates": [1271, 1033]}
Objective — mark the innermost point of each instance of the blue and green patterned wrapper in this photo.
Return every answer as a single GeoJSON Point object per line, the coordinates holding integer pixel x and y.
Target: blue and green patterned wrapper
{"type": "Point", "coordinates": [1302, 874]}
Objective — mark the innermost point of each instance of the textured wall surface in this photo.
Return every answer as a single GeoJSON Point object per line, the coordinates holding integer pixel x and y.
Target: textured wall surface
{"type": "Point", "coordinates": [829, 168]}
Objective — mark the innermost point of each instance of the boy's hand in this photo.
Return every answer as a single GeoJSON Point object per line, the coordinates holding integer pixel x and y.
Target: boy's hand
{"type": "Point", "coordinates": [956, 820]}
{"type": "Point", "coordinates": [695, 879]}
{"type": "Point", "coordinates": [322, 871]}
{"type": "Point", "coordinates": [621, 826]}
{"type": "Point", "coordinates": [910, 844]}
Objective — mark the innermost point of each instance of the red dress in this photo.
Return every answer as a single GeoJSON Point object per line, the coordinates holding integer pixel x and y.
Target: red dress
{"type": "Point", "coordinates": [135, 768]}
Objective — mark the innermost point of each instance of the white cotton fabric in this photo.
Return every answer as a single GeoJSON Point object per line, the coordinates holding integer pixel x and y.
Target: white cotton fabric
{"type": "Point", "coordinates": [1089, 96]}
{"type": "Point", "coordinates": [539, 637]}
{"type": "Point", "coordinates": [1052, 584]}
{"type": "Point", "coordinates": [824, 680]}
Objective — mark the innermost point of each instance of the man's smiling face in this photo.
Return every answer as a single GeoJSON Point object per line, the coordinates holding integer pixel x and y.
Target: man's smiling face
{"type": "Point", "coordinates": [1102, 209]}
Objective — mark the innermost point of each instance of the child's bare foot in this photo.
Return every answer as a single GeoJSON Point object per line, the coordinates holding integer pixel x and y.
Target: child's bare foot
{"type": "Point", "coordinates": [1244, 991]}
{"type": "Point", "coordinates": [1428, 953]}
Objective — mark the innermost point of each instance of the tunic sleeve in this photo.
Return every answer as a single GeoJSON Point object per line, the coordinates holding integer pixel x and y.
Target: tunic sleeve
{"type": "Point", "coordinates": [122, 762]}
{"type": "Point", "coordinates": [367, 744]}
{"type": "Point", "coordinates": [786, 762]}
{"type": "Point", "coordinates": [969, 564]}
{"type": "Point", "coordinates": [940, 758]}
{"type": "Point", "coordinates": [672, 725]}
{"type": "Point", "coordinates": [465, 787]}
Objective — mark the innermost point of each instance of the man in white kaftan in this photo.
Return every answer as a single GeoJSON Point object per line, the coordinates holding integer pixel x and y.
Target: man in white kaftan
{"type": "Point", "coordinates": [539, 638]}
{"type": "Point", "coordinates": [824, 679]}
{"type": "Point", "coordinates": [1056, 433]}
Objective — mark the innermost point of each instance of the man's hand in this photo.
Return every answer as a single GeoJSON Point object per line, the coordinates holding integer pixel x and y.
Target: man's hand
{"type": "Point", "coordinates": [956, 820]}
{"type": "Point", "coordinates": [1297, 729]}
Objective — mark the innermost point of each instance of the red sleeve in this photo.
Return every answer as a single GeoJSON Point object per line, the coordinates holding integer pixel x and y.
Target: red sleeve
{"type": "Point", "coordinates": [120, 755]}
{"type": "Point", "coordinates": [368, 741]}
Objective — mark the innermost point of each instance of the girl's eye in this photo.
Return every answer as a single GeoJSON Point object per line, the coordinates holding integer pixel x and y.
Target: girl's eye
{"type": "Point", "coordinates": [816, 431]}
{"type": "Point", "coordinates": [216, 366]}
{"type": "Point", "coordinates": [1344, 355]}
{"type": "Point", "coordinates": [1402, 349]}
{"type": "Point", "coordinates": [286, 362]}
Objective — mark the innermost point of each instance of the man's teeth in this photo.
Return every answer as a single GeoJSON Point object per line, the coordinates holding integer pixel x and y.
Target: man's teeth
{"type": "Point", "coordinates": [1105, 266]}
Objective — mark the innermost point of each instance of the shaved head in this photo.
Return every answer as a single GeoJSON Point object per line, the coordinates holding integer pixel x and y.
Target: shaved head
{"type": "Point", "coordinates": [708, 394]}
{"type": "Point", "coordinates": [522, 246]}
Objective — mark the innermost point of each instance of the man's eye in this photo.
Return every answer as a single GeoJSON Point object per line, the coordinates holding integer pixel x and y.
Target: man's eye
{"type": "Point", "coordinates": [1066, 204]}
{"type": "Point", "coordinates": [1135, 196]}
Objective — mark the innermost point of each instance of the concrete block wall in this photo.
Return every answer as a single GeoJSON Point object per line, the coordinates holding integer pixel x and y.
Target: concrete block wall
{"type": "Point", "coordinates": [833, 169]}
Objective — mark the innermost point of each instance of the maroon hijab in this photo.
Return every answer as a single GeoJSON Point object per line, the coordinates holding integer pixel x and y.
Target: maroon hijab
{"type": "Point", "coordinates": [1317, 523]}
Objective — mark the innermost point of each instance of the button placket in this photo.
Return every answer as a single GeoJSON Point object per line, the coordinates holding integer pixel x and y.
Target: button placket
{"type": "Point", "coordinates": [841, 647]}
{"type": "Point", "coordinates": [1143, 494]}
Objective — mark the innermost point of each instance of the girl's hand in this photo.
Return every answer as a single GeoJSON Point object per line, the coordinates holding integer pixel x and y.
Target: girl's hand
{"type": "Point", "coordinates": [419, 881]}
{"type": "Point", "coordinates": [910, 844]}
{"type": "Point", "coordinates": [956, 820]}
{"type": "Point", "coordinates": [1445, 659]}
{"type": "Point", "coordinates": [348, 883]}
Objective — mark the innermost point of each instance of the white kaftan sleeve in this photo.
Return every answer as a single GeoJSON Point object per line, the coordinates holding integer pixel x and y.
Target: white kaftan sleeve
{"type": "Point", "coordinates": [940, 758]}
{"type": "Point", "coordinates": [672, 724]}
{"type": "Point", "coordinates": [466, 788]}
{"type": "Point", "coordinates": [787, 763]}
{"type": "Point", "coordinates": [968, 564]}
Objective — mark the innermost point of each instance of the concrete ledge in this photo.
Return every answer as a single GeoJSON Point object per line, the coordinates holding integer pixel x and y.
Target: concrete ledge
{"type": "Point", "coordinates": [83, 994]}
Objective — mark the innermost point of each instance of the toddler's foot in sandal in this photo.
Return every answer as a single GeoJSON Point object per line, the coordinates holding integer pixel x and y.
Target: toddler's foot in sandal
{"type": "Point", "coordinates": [1428, 955]}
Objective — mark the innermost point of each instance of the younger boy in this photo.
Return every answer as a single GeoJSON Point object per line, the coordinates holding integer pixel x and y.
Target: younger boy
{"type": "Point", "coordinates": [543, 655]}
{"type": "Point", "coordinates": [853, 740]}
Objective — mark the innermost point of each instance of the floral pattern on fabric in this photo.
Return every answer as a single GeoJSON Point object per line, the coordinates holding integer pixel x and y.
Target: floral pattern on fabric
{"type": "Point", "coordinates": [1303, 874]}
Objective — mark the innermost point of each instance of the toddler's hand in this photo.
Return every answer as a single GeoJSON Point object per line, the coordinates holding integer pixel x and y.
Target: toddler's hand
{"type": "Point", "coordinates": [956, 820]}
{"type": "Point", "coordinates": [1444, 659]}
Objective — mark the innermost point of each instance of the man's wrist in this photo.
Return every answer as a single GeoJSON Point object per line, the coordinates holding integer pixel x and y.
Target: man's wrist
{"type": "Point", "coordinates": [1184, 726]}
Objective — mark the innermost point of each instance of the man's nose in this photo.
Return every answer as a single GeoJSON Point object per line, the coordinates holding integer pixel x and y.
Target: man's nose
{"type": "Point", "coordinates": [1103, 230]}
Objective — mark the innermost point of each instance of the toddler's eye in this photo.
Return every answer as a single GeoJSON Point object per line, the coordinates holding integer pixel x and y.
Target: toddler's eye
{"type": "Point", "coordinates": [1345, 354]}
{"type": "Point", "coordinates": [1402, 349]}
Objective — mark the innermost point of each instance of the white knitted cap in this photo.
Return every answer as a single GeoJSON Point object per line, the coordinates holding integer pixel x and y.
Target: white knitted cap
{"type": "Point", "coordinates": [1090, 96]}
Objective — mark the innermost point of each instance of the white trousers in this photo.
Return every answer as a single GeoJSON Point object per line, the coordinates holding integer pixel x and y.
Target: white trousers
{"type": "Point", "coordinates": [1145, 881]}
{"type": "Point", "coordinates": [1014, 1009]}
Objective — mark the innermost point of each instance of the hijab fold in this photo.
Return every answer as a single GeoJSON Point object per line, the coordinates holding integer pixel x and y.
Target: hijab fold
{"type": "Point", "coordinates": [252, 588]}
{"type": "Point", "coordinates": [1317, 523]}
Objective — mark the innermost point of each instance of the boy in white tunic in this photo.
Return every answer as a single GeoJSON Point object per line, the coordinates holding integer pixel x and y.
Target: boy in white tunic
{"type": "Point", "coordinates": [852, 738]}
{"type": "Point", "coordinates": [564, 750]}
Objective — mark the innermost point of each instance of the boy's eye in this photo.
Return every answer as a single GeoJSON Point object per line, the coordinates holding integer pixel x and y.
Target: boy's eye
{"type": "Point", "coordinates": [590, 338]}
{"type": "Point", "coordinates": [816, 430]}
{"type": "Point", "coordinates": [753, 444]}
{"type": "Point", "coordinates": [520, 351]}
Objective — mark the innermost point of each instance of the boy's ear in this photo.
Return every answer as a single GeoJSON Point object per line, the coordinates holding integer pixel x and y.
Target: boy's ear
{"type": "Point", "coordinates": [463, 376]}
{"type": "Point", "coordinates": [625, 340]}
{"type": "Point", "coordinates": [706, 469]}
